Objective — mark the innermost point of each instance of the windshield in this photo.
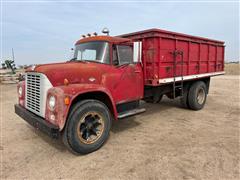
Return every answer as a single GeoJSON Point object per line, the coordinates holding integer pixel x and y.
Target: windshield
{"type": "Point", "coordinates": [97, 51]}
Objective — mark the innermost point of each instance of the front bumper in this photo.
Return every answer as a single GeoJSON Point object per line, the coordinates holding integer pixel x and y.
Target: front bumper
{"type": "Point", "coordinates": [37, 122]}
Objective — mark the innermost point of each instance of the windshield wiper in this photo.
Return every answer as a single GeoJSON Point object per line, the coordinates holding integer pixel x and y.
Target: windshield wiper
{"type": "Point", "coordinates": [93, 61]}
{"type": "Point", "coordinates": [123, 65]}
{"type": "Point", "coordinates": [75, 59]}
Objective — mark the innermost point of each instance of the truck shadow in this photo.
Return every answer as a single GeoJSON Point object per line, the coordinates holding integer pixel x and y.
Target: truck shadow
{"type": "Point", "coordinates": [130, 122]}
{"type": "Point", "coordinates": [120, 125]}
{"type": "Point", "coordinates": [56, 143]}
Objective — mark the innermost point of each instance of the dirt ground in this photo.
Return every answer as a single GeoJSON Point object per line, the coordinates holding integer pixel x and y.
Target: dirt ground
{"type": "Point", "coordinates": [165, 142]}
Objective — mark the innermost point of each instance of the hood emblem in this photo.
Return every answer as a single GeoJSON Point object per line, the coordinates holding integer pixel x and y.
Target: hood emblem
{"type": "Point", "coordinates": [92, 79]}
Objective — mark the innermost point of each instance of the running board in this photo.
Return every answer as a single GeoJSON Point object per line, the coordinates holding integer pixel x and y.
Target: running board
{"type": "Point", "coordinates": [130, 113]}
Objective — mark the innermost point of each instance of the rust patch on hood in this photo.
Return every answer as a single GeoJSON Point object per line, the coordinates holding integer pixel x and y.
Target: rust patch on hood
{"type": "Point", "coordinates": [74, 72]}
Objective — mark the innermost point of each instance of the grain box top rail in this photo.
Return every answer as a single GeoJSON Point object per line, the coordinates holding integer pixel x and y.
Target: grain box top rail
{"type": "Point", "coordinates": [169, 34]}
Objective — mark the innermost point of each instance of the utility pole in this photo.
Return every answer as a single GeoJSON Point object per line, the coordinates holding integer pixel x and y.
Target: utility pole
{"type": "Point", "coordinates": [13, 55]}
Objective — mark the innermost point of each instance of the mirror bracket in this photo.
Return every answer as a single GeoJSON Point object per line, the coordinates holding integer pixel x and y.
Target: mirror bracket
{"type": "Point", "coordinates": [137, 51]}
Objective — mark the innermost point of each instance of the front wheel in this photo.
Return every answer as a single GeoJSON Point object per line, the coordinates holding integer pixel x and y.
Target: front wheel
{"type": "Point", "coordinates": [197, 95]}
{"type": "Point", "coordinates": [88, 126]}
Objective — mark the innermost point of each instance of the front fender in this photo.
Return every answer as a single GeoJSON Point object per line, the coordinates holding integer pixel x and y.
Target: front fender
{"type": "Point", "coordinates": [74, 90]}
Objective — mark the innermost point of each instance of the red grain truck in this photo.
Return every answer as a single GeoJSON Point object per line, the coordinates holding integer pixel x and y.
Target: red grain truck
{"type": "Point", "coordinates": [108, 76]}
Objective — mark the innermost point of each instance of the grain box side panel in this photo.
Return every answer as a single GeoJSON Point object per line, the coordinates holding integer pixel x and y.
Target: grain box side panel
{"type": "Point", "coordinates": [194, 58]}
{"type": "Point", "coordinates": [200, 55]}
{"type": "Point", "coordinates": [167, 47]}
{"type": "Point", "coordinates": [220, 58]}
{"type": "Point", "coordinates": [150, 58]}
{"type": "Point", "coordinates": [212, 58]}
{"type": "Point", "coordinates": [203, 58]}
{"type": "Point", "coordinates": [181, 69]}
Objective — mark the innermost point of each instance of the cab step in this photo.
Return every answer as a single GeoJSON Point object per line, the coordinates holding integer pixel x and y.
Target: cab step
{"type": "Point", "coordinates": [130, 113]}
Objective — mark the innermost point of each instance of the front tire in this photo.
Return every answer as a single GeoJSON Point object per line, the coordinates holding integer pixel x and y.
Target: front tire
{"type": "Point", "coordinates": [197, 95]}
{"type": "Point", "coordinates": [88, 126]}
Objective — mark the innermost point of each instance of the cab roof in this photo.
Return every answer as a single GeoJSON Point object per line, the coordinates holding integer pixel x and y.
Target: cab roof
{"type": "Point", "coordinates": [103, 38]}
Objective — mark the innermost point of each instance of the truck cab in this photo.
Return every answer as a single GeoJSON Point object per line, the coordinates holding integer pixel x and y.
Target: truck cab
{"type": "Point", "coordinates": [102, 79]}
{"type": "Point", "coordinates": [106, 78]}
{"type": "Point", "coordinates": [113, 57]}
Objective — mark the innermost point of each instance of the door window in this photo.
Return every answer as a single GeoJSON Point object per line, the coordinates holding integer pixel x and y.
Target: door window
{"type": "Point", "coordinates": [115, 56]}
{"type": "Point", "coordinates": [125, 54]}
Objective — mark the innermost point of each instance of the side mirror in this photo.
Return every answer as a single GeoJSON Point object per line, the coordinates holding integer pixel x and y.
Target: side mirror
{"type": "Point", "coordinates": [137, 51]}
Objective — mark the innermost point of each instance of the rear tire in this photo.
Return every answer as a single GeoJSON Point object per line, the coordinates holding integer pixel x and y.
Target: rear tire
{"type": "Point", "coordinates": [184, 99]}
{"type": "Point", "coordinates": [197, 95]}
{"type": "Point", "coordinates": [88, 127]}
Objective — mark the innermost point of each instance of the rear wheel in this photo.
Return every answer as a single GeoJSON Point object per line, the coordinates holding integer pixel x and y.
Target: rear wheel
{"type": "Point", "coordinates": [88, 126]}
{"type": "Point", "coordinates": [184, 99]}
{"type": "Point", "coordinates": [197, 95]}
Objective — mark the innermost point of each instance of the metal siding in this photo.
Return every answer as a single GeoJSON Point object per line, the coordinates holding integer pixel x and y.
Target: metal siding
{"type": "Point", "coordinates": [200, 55]}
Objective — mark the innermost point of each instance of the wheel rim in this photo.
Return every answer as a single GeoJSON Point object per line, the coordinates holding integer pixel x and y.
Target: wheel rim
{"type": "Point", "coordinates": [90, 127]}
{"type": "Point", "coordinates": [200, 96]}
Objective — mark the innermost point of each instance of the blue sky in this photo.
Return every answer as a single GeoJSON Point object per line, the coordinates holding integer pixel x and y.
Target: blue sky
{"type": "Point", "coordinates": [43, 32]}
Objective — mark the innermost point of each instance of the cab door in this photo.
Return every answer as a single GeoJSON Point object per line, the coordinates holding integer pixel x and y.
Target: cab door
{"type": "Point", "coordinates": [128, 81]}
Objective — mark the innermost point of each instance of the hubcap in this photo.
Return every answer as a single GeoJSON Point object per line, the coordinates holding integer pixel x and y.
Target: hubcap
{"type": "Point", "coordinates": [90, 127]}
{"type": "Point", "coordinates": [200, 96]}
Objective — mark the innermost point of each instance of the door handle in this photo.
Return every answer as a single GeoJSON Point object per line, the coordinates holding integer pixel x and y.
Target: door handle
{"type": "Point", "coordinates": [137, 71]}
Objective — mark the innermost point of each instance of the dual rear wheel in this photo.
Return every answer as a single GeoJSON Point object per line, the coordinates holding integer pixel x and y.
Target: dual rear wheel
{"type": "Point", "coordinates": [195, 96]}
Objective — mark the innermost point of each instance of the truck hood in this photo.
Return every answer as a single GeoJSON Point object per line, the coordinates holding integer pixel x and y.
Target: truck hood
{"type": "Point", "coordinates": [74, 72]}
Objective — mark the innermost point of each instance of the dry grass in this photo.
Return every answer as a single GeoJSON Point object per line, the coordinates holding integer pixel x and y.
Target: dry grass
{"type": "Point", "coordinates": [232, 69]}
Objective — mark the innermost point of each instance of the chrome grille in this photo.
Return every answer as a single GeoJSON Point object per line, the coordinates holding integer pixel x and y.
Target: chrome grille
{"type": "Point", "coordinates": [37, 85]}
{"type": "Point", "coordinates": [33, 92]}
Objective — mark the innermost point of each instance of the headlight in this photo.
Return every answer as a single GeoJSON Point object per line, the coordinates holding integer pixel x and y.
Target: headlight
{"type": "Point", "coordinates": [52, 102]}
{"type": "Point", "coordinates": [20, 91]}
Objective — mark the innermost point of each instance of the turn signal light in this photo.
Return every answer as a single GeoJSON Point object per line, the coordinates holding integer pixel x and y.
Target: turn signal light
{"type": "Point", "coordinates": [66, 100]}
